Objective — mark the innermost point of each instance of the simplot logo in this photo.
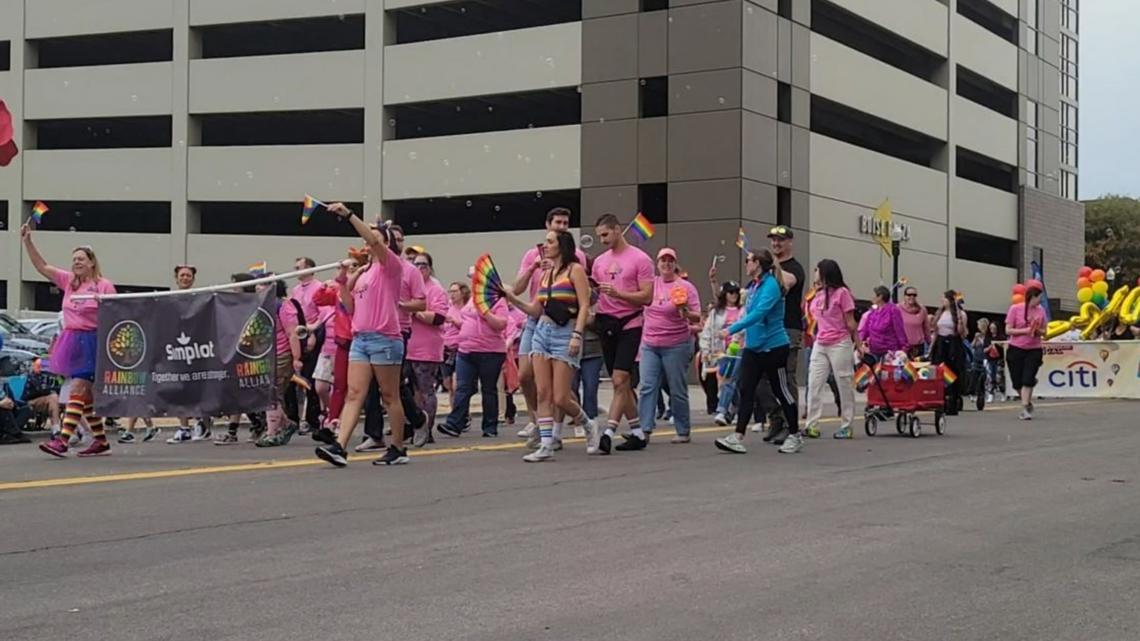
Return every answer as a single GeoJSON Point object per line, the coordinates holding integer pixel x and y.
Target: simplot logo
{"type": "Point", "coordinates": [188, 351]}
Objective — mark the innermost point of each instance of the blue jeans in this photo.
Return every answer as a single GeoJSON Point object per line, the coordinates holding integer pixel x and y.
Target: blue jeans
{"type": "Point", "coordinates": [660, 365]}
{"type": "Point", "coordinates": [482, 368]}
{"type": "Point", "coordinates": [727, 398]}
{"type": "Point", "coordinates": [586, 379]}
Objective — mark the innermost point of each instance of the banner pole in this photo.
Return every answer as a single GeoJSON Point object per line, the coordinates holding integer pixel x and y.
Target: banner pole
{"type": "Point", "coordinates": [211, 288]}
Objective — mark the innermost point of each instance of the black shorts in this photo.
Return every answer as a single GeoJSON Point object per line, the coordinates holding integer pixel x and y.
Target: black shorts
{"type": "Point", "coordinates": [1023, 366]}
{"type": "Point", "coordinates": [620, 351]}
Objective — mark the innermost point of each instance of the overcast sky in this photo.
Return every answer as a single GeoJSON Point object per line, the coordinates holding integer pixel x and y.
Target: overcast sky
{"type": "Point", "coordinates": [1109, 98]}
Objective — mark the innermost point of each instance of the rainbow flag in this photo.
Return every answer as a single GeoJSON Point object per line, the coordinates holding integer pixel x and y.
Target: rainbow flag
{"type": "Point", "coordinates": [908, 372]}
{"type": "Point", "coordinates": [310, 205]}
{"type": "Point", "coordinates": [948, 376]}
{"type": "Point", "coordinates": [38, 211]}
{"type": "Point", "coordinates": [863, 377]}
{"type": "Point", "coordinates": [259, 269]}
{"type": "Point", "coordinates": [641, 227]}
{"type": "Point", "coordinates": [742, 240]}
{"type": "Point", "coordinates": [486, 284]}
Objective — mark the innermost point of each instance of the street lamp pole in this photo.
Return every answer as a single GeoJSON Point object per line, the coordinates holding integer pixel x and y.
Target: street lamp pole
{"type": "Point", "coordinates": [896, 249]}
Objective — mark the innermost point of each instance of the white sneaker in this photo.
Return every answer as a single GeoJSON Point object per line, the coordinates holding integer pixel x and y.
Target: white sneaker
{"type": "Point", "coordinates": [756, 428]}
{"type": "Point", "coordinates": [593, 436]}
{"type": "Point", "coordinates": [543, 453]}
{"type": "Point", "coordinates": [720, 419]}
{"type": "Point", "coordinates": [579, 431]}
{"type": "Point", "coordinates": [201, 432]}
{"type": "Point", "coordinates": [731, 443]}
{"type": "Point", "coordinates": [370, 445]}
{"type": "Point", "coordinates": [792, 444]}
{"type": "Point", "coordinates": [534, 439]}
{"type": "Point", "coordinates": [1025, 415]}
{"type": "Point", "coordinates": [181, 435]}
{"type": "Point", "coordinates": [989, 398]}
{"type": "Point", "coordinates": [526, 431]}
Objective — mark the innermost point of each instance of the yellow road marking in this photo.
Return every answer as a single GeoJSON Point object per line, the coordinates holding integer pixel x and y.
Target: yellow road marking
{"type": "Point", "coordinates": [309, 462]}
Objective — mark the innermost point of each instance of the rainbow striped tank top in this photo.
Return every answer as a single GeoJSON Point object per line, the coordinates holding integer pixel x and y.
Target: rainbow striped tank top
{"type": "Point", "coordinates": [561, 290]}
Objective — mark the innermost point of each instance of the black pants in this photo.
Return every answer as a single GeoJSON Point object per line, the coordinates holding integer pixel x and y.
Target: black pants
{"type": "Point", "coordinates": [11, 422]}
{"type": "Point", "coordinates": [373, 414]}
{"type": "Point", "coordinates": [712, 393]}
{"type": "Point", "coordinates": [773, 365]}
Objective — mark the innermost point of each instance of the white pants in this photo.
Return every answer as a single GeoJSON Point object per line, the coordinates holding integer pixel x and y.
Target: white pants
{"type": "Point", "coordinates": [837, 360]}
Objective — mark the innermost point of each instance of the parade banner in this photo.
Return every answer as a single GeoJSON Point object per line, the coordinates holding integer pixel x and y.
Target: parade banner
{"type": "Point", "coordinates": [1089, 369]}
{"type": "Point", "coordinates": [196, 355]}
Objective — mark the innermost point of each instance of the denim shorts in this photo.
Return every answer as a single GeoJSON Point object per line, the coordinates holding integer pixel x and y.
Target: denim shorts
{"type": "Point", "coordinates": [526, 341]}
{"type": "Point", "coordinates": [377, 349]}
{"type": "Point", "coordinates": [553, 342]}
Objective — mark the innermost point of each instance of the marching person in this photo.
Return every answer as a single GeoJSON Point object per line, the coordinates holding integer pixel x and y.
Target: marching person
{"type": "Point", "coordinates": [916, 323]}
{"type": "Point", "coordinates": [833, 352]}
{"type": "Point", "coordinates": [667, 350]}
{"type": "Point", "coordinates": [311, 347]}
{"type": "Point", "coordinates": [341, 337]}
{"type": "Point", "coordinates": [458, 294]}
{"type": "Point", "coordinates": [282, 417]}
{"type": "Point", "coordinates": [377, 350]}
{"type": "Point", "coordinates": [765, 353]}
{"type": "Point", "coordinates": [713, 345]}
{"type": "Point", "coordinates": [781, 241]}
{"type": "Point", "coordinates": [530, 271]}
{"type": "Point", "coordinates": [75, 348]}
{"type": "Point", "coordinates": [881, 328]}
{"type": "Point", "coordinates": [948, 347]}
{"type": "Point", "coordinates": [561, 306]}
{"type": "Point", "coordinates": [1025, 324]}
{"type": "Point", "coordinates": [482, 352]}
{"type": "Point", "coordinates": [625, 276]}
{"type": "Point", "coordinates": [425, 347]}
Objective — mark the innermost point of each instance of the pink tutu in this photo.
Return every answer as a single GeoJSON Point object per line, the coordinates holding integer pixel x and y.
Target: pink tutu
{"type": "Point", "coordinates": [73, 354]}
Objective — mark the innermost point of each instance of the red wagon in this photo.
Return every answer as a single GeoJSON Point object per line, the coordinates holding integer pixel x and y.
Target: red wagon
{"type": "Point", "coordinates": [902, 397]}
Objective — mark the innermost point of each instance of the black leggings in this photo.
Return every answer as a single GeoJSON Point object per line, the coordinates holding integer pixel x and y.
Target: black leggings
{"type": "Point", "coordinates": [774, 365]}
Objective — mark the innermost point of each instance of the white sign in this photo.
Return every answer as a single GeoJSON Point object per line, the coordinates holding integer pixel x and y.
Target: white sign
{"type": "Point", "coordinates": [1089, 369]}
{"type": "Point", "coordinates": [872, 226]}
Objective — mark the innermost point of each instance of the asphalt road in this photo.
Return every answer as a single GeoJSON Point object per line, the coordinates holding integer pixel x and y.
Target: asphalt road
{"type": "Point", "coordinates": [998, 530]}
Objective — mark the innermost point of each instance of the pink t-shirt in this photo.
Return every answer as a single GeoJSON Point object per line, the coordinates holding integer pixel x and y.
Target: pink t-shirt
{"type": "Point", "coordinates": [627, 272]}
{"type": "Point", "coordinates": [831, 323]}
{"type": "Point", "coordinates": [374, 298]}
{"type": "Point", "coordinates": [80, 315]}
{"type": "Point", "coordinates": [533, 256]}
{"type": "Point", "coordinates": [303, 293]}
{"type": "Point", "coordinates": [450, 331]}
{"type": "Point", "coordinates": [516, 320]}
{"type": "Point", "coordinates": [915, 325]}
{"type": "Point", "coordinates": [411, 288]}
{"type": "Point", "coordinates": [426, 343]}
{"type": "Point", "coordinates": [287, 321]}
{"type": "Point", "coordinates": [1015, 318]}
{"type": "Point", "coordinates": [664, 325]}
{"type": "Point", "coordinates": [477, 335]}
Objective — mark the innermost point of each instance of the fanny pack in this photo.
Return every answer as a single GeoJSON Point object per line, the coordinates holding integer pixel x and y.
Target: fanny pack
{"type": "Point", "coordinates": [609, 326]}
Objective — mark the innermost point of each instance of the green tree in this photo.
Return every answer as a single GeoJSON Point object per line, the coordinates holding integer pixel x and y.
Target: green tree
{"type": "Point", "coordinates": [1112, 236]}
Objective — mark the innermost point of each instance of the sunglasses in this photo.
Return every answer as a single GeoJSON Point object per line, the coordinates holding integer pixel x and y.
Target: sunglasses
{"type": "Point", "coordinates": [778, 231]}
{"type": "Point", "coordinates": [421, 264]}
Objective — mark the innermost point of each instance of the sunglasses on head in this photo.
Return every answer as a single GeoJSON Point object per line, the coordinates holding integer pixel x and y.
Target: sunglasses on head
{"type": "Point", "coordinates": [778, 231]}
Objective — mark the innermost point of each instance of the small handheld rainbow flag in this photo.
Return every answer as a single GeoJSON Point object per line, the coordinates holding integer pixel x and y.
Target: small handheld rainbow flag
{"type": "Point", "coordinates": [742, 240]}
{"type": "Point", "coordinates": [641, 227]}
{"type": "Point", "coordinates": [863, 378]}
{"type": "Point", "coordinates": [38, 211]}
{"type": "Point", "coordinates": [259, 269]}
{"type": "Point", "coordinates": [486, 284]}
{"type": "Point", "coordinates": [948, 375]}
{"type": "Point", "coordinates": [309, 206]}
{"type": "Point", "coordinates": [908, 373]}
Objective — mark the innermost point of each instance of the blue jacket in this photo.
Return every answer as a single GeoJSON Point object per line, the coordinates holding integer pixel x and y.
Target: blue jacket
{"type": "Point", "coordinates": [763, 319]}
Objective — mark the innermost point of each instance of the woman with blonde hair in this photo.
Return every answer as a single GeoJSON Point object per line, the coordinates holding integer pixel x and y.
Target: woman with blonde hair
{"type": "Point", "coordinates": [74, 353]}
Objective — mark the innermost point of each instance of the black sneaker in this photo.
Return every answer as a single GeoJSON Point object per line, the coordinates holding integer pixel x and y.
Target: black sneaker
{"type": "Point", "coordinates": [394, 456]}
{"type": "Point", "coordinates": [449, 431]}
{"type": "Point", "coordinates": [333, 454]}
{"type": "Point", "coordinates": [633, 443]}
{"type": "Point", "coordinates": [324, 435]}
{"type": "Point", "coordinates": [604, 444]}
{"type": "Point", "coordinates": [776, 435]}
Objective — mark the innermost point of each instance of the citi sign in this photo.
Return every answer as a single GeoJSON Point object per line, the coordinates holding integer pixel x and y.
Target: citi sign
{"type": "Point", "coordinates": [1080, 374]}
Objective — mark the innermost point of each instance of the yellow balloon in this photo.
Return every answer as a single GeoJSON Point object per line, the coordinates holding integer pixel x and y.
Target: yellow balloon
{"type": "Point", "coordinates": [1056, 328]}
{"type": "Point", "coordinates": [1099, 318]}
{"type": "Point", "coordinates": [1116, 302]}
{"type": "Point", "coordinates": [1130, 307]}
{"type": "Point", "coordinates": [1084, 294]}
{"type": "Point", "coordinates": [1089, 312]}
{"type": "Point", "coordinates": [1100, 287]}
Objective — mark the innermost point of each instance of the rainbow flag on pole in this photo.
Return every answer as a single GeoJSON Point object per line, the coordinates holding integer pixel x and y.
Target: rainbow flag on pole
{"type": "Point", "coordinates": [309, 206]}
{"type": "Point", "coordinates": [38, 211]}
{"type": "Point", "coordinates": [641, 227]}
{"type": "Point", "coordinates": [742, 240]}
{"type": "Point", "coordinates": [863, 377]}
{"type": "Point", "coordinates": [259, 269]}
{"type": "Point", "coordinates": [948, 375]}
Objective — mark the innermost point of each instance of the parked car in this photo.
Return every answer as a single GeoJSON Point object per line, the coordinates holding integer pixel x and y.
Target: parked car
{"type": "Point", "coordinates": [44, 328]}
{"type": "Point", "coordinates": [26, 342]}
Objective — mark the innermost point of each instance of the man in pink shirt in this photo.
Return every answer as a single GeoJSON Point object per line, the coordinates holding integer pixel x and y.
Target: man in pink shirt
{"type": "Point", "coordinates": [625, 276]}
{"type": "Point", "coordinates": [529, 275]}
{"type": "Point", "coordinates": [303, 293]}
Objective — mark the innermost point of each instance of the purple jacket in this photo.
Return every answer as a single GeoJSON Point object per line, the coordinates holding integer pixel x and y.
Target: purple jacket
{"type": "Point", "coordinates": [883, 330]}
